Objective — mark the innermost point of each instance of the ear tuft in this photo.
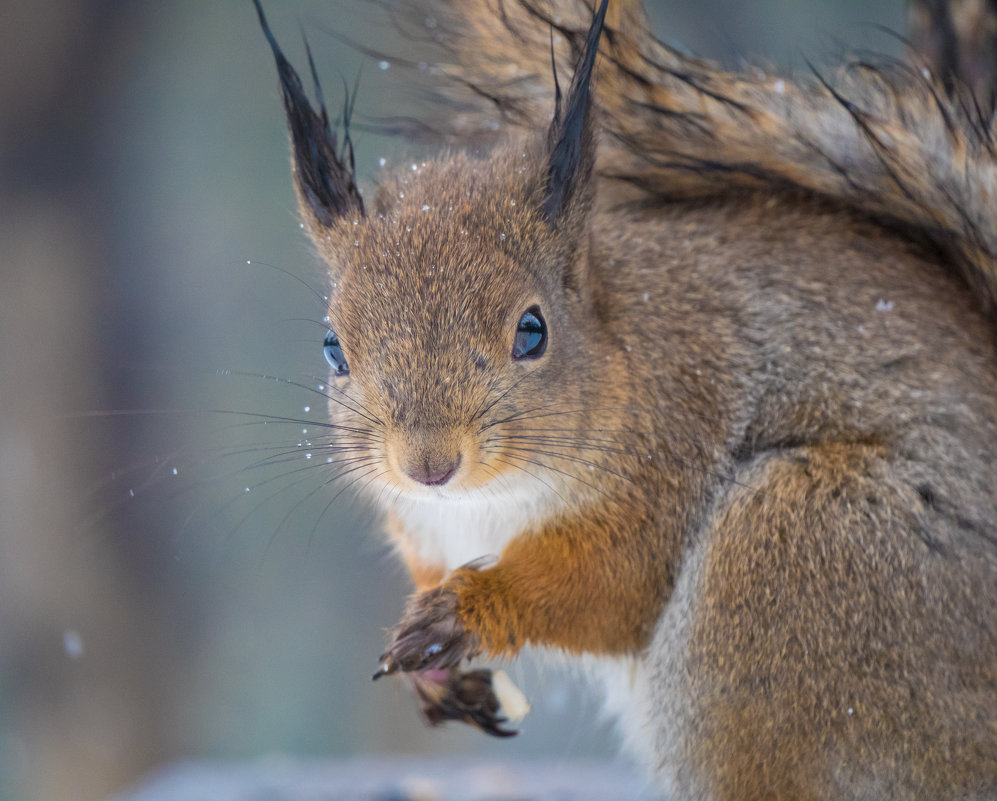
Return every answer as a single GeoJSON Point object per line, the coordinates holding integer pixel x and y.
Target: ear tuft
{"type": "Point", "coordinates": [324, 172]}
{"type": "Point", "coordinates": [570, 138]}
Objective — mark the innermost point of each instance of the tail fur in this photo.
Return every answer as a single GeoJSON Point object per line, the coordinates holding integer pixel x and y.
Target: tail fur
{"type": "Point", "coordinates": [910, 144]}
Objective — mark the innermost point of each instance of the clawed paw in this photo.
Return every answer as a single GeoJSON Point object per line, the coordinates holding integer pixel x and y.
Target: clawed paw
{"type": "Point", "coordinates": [430, 636]}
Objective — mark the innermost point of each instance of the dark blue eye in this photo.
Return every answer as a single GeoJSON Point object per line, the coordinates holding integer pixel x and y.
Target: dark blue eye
{"type": "Point", "coordinates": [334, 354]}
{"type": "Point", "coordinates": [531, 335]}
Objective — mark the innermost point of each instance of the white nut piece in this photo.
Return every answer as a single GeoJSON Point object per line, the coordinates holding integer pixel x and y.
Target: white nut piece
{"type": "Point", "coordinates": [514, 704]}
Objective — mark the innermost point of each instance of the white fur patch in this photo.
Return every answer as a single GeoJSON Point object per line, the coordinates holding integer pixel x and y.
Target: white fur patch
{"type": "Point", "coordinates": [453, 531]}
{"type": "Point", "coordinates": [626, 698]}
{"type": "Point", "coordinates": [650, 696]}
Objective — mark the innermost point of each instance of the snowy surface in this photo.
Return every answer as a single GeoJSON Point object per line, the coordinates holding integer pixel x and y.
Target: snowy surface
{"type": "Point", "coordinates": [394, 779]}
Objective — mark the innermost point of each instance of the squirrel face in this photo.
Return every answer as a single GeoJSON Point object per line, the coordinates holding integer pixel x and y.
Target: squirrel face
{"type": "Point", "coordinates": [461, 301]}
{"type": "Point", "coordinates": [455, 328]}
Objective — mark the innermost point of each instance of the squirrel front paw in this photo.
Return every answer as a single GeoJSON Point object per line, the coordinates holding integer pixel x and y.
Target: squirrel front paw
{"type": "Point", "coordinates": [430, 635]}
{"type": "Point", "coordinates": [468, 697]}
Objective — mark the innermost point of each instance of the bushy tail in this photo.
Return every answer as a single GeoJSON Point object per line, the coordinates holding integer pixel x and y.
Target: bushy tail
{"type": "Point", "coordinates": [911, 144]}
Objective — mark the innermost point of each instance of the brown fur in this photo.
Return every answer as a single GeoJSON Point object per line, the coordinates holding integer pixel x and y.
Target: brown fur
{"type": "Point", "coordinates": [771, 380]}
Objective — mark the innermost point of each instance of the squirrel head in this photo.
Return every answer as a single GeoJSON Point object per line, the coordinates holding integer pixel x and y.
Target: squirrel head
{"type": "Point", "coordinates": [460, 311]}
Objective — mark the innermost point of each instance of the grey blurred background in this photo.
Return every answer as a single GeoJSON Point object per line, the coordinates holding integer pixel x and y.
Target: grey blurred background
{"type": "Point", "coordinates": [145, 614]}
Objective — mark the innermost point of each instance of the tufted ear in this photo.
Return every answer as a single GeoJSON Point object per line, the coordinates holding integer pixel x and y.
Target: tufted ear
{"type": "Point", "coordinates": [571, 137]}
{"type": "Point", "coordinates": [324, 173]}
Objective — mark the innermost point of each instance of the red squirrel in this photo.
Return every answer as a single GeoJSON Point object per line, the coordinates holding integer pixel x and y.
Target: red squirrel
{"type": "Point", "coordinates": [692, 373]}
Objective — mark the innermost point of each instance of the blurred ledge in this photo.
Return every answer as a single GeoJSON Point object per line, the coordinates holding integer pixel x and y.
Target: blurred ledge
{"type": "Point", "coordinates": [394, 779]}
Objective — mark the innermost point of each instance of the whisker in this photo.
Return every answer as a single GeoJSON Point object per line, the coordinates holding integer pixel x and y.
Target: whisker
{"type": "Point", "coordinates": [312, 493]}
{"type": "Point", "coordinates": [324, 382]}
{"type": "Point", "coordinates": [529, 412]}
{"type": "Point", "coordinates": [323, 485]}
{"type": "Point", "coordinates": [532, 475]}
{"type": "Point", "coordinates": [328, 506]}
{"type": "Point", "coordinates": [273, 418]}
{"type": "Point", "coordinates": [321, 298]}
{"type": "Point", "coordinates": [297, 454]}
{"type": "Point", "coordinates": [582, 443]}
{"type": "Point", "coordinates": [496, 477]}
{"type": "Point", "coordinates": [362, 412]}
{"type": "Point", "coordinates": [570, 458]}
{"type": "Point", "coordinates": [482, 412]}
{"type": "Point", "coordinates": [283, 489]}
{"type": "Point", "coordinates": [553, 469]}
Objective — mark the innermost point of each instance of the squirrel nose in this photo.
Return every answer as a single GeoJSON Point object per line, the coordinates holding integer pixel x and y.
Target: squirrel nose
{"type": "Point", "coordinates": [433, 475]}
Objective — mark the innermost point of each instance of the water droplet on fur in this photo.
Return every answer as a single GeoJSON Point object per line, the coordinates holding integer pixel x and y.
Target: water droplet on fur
{"type": "Point", "coordinates": [425, 208]}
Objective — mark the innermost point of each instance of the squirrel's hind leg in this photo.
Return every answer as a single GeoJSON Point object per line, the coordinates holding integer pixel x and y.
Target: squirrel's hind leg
{"type": "Point", "coordinates": [828, 653]}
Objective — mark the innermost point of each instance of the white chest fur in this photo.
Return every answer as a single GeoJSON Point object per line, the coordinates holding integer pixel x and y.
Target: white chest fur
{"type": "Point", "coordinates": [452, 531]}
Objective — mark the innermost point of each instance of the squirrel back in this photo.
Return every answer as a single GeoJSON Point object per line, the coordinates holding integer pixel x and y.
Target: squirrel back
{"type": "Point", "coordinates": [695, 376]}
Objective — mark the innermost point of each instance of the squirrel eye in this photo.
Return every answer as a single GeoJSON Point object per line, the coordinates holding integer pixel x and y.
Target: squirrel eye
{"type": "Point", "coordinates": [531, 335]}
{"type": "Point", "coordinates": [334, 354]}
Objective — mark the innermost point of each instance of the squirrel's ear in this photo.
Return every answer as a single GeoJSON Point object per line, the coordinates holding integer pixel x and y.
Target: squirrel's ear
{"type": "Point", "coordinates": [571, 137]}
{"type": "Point", "coordinates": [325, 174]}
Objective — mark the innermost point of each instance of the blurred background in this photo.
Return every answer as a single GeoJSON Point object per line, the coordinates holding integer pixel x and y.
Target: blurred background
{"type": "Point", "coordinates": [174, 582]}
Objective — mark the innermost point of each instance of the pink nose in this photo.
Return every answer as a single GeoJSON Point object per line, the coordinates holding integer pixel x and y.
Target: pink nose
{"type": "Point", "coordinates": [433, 475]}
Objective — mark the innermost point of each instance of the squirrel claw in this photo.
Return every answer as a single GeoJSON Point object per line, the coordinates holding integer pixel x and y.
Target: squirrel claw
{"type": "Point", "coordinates": [429, 636]}
{"type": "Point", "coordinates": [386, 669]}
